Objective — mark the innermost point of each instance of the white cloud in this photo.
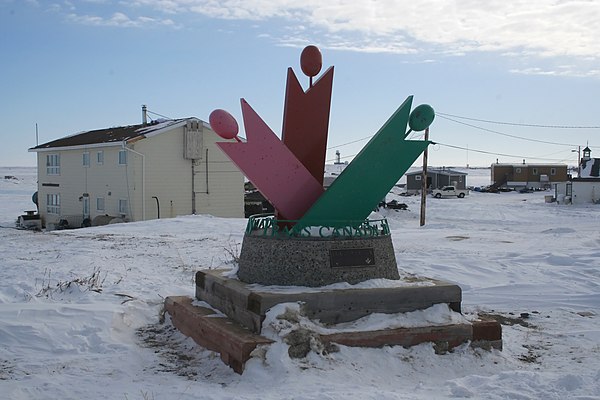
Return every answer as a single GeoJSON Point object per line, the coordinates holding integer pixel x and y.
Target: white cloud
{"type": "Point", "coordinates": [528, 33]}
{"type": "Point", "coordinates": [119, 19]}
{"type": "Point", "coordinates": [545, 27]}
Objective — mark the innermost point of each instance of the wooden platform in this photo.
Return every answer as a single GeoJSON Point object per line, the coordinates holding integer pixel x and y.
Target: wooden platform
{"type": "Point", "coordinates": [220, 334]}
{"type": "Point", "coordinates": [236, 343]}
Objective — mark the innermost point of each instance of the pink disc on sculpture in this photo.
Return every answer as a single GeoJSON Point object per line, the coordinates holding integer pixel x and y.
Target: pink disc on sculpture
{"type": "Point", "coordinates": [311, 61]}
{"type": "Point", "coordinates": [223, 123]}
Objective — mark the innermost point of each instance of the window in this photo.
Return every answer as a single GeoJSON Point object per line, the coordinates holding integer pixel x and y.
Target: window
{"type": "Point", "coordinates": [417, 177]}
{"type": "Point", "coordinates": [53, 203]}
{"type": "Point", "coordinates": [86, 207]}
{"type": "Point", "coordinates": [552, 171]}
{"type": "Point", "coordinates": [100, 204]}
{"type": "Point", "coordinates": [518, 170]}
{"type": "Point", "coordinates": [86, 159]}
{"type": "Point", "coordinates": [535, 171]}
{"type": "Point", "coordinates": [123, 209]}
{"type": "Point", "coordinates": [100, 158]}
{"type": "Point", "coordinates": [53, 164]}
{"type": "Point", "coordinates": [122, 157]}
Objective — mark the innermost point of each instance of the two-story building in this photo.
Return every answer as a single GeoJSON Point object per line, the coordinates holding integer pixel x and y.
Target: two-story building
{"type": "Point", "coordinates": [534, 176]}
{"type": "Point", "coordinates": [135, 173]}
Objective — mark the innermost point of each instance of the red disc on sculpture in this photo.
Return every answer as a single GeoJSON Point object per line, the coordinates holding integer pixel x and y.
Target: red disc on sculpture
{"type": "Point", "coordinates": [223, 123]}
{"type": "Point", "coordinates": [311, 60]}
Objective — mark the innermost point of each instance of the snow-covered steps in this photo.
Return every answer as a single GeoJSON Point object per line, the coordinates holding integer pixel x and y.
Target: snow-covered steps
{"type": "Point", "coordinates": [248, 303]}
{"type": "Point", "coordinates": [213, 331]}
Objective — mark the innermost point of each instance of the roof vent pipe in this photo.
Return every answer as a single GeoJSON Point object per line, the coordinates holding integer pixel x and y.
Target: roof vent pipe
{"type": "Point", "coordinates": [144, 115]}
{"type": "Point", "coordinates": [523, 161]}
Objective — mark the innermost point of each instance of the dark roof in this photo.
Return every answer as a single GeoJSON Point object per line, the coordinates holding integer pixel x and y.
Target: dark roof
{"type": "Point", "coordinates": [440, 171]}
{"type": "Point", "coordinates": [590, 168]}
{"type": "Point", "coordinates": [522, 165]}
{"type": "Point", "coordinates": [108, 135]}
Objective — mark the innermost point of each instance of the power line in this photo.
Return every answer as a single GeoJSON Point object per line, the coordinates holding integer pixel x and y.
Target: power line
{"type": "Point", "coordinates": [495, 154]}
{"type": "Point", "coordinates": [517, 123]}
{"type": "Point", "coordinates": [443, 115]}
{"type": "Point", "coordinates": [506, 134]}
{"type": "Point", "coordinates": [345, 144]}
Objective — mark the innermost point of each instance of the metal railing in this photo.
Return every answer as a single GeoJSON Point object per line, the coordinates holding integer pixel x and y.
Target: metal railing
{"type": "Point", "coordinates": [268, 225]}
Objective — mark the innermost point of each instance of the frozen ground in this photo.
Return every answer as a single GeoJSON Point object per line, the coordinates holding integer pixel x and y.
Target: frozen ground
{"type": "Point", "coordinates": [80, 310]}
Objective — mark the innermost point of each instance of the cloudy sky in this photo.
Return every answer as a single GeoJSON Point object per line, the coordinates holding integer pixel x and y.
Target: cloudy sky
{"type": "Point", "coordinates": [509, 80]}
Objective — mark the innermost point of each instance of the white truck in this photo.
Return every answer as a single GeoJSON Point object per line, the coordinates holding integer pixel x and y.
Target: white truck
{"type": "Point", "coordinates": [449, 191]}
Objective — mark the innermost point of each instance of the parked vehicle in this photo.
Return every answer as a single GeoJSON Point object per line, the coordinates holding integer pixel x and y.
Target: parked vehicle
{"type": "Point", "coordinates": [449, 191]}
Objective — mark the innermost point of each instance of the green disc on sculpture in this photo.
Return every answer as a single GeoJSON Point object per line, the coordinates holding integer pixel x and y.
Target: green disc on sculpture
{"type": "Point", "coordinates": [421, 117]}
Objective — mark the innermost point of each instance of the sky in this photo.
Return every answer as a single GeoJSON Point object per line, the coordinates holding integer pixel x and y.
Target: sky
{"type": "Point", "coordinates": [72, 66]}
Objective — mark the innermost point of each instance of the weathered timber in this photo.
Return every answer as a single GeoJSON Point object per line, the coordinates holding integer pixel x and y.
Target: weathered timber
{"type": "Point", "coordinates": [214, 332]}
{"type": "Point", "coordinates": [450, 335]}
{"type": "Point", "coordinates": [487, 334]}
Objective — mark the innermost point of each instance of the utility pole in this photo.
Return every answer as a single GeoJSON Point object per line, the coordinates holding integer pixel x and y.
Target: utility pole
{"type": "Point", "coordinates": [578, 151]}
{"type": "Point", "coordinates": [424, 181]}
{"type": "Point", "coordinates": [579, 161]}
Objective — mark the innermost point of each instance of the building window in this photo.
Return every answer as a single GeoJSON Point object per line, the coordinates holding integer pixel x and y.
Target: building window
{"type": "Point", "coordinates": [53, 203]}
{"type": "Point", "coordinates": [552, 171]}
{"type": "Point", "coordinates": [53, 164]}
{"type": "Point", "coordinates": [86, 207]}
{"type": "Point", "coordinates": [417, 177]}
{"type": "Point", "coordinates": [100, 158]}
{"type": "Point", "coordinates": [123, 208]}
{"type": "Point", "coordinates": [86, 159]}
{"type": "Point", "coordinates": [518, 170]}
{"type": "Point", "coordinates": [535, 171]}
{"type": "Point", "coordinates": [100, 204]}
{"type": "Point", "coordinates": [122, 157]}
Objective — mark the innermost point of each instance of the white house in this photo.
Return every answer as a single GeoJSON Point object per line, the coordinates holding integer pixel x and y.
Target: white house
{"type": "Point", "coordinates": [135, 173]}
{"type": "Point", "coordinates": [584, 189]}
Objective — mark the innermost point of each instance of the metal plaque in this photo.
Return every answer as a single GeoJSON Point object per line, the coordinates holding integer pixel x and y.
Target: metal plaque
{"type": "Point", "coordinates": [345, 258]}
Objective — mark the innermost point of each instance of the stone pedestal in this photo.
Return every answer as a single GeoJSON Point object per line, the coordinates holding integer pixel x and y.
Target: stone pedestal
{"type": "Point", "coordinates": [315, 261]}
{"type": "Point", "coordinates": [248, 304]}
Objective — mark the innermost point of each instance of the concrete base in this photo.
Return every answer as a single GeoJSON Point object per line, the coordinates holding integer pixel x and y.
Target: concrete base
{"type": "Point", "coordinates": [315, 261]}
{"type": "Point", "coordinates": [248, 305]}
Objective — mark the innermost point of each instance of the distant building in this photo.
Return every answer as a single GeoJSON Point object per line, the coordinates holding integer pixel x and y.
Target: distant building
{"type": "Point", "coordinates": [436, 179]}
{"type": "Point", "coordinates": [136, 173]}
{"type": "Point", "coordinates": [584, 189]}
{"type": "Point", "coordinates": [590, 167]}
{"type": "Point", "coordinates": [535, 176]}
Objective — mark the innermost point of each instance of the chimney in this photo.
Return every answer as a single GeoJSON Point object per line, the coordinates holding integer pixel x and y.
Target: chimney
{"type": "Point", "coordinates": [144, 115]}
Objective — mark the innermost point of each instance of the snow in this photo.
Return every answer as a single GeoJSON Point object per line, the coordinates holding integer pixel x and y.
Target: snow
{"type": "Point", "coordinates": [80, 310]}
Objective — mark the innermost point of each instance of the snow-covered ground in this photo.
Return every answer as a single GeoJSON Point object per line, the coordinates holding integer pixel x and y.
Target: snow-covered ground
{"type": "Point", "coordinates": [80, 309]}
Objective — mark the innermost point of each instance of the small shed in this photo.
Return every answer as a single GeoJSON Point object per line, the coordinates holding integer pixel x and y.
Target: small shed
{"type": "Point", "coordinates": [436, 179]}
